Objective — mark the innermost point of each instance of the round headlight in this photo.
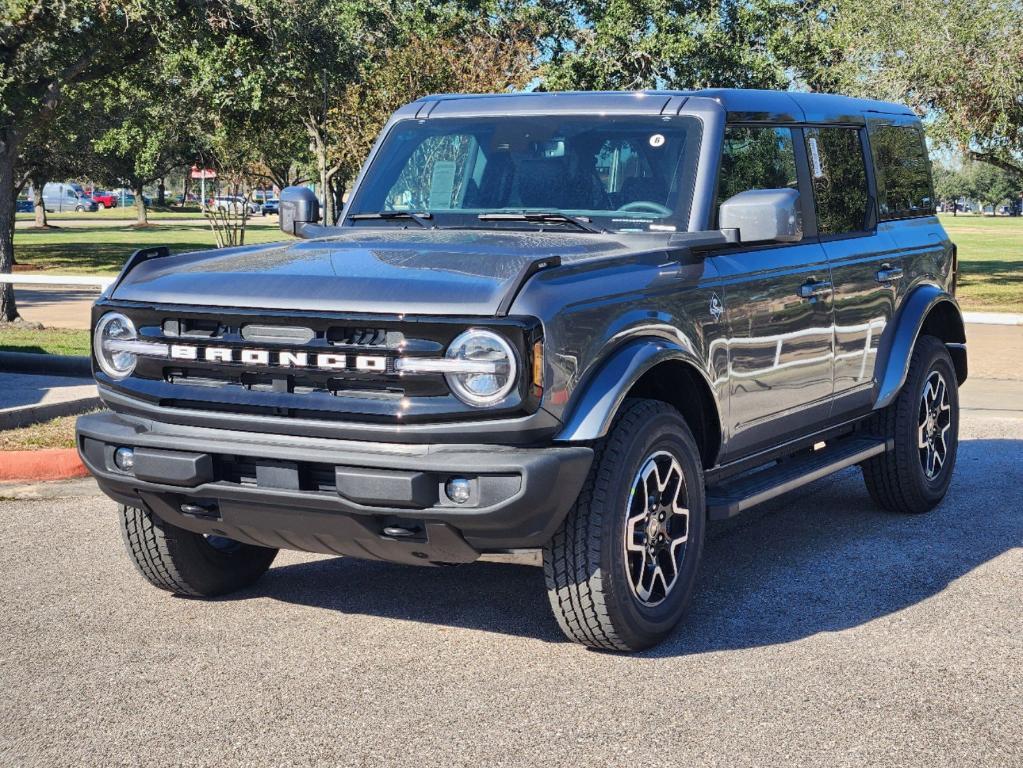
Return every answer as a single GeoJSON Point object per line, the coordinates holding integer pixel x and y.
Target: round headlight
{"type": "Point", "coordinates": [494, 374]}
{"type": "Point", "coordinates": [108, 342]}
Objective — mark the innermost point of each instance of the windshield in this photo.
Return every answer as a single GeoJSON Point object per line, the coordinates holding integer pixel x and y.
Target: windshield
{"type": "Point", "coordinates": [622, 173]}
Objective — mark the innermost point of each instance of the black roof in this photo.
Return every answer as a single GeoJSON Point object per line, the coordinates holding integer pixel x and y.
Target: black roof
{"type": "Point", "coordinates": [740, 104]}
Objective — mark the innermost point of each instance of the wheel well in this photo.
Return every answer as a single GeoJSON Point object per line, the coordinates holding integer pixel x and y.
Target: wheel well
{"type": "Point", "coordinates": [944, 322]}
{"type": "Point", "coordinates": [678, 384]}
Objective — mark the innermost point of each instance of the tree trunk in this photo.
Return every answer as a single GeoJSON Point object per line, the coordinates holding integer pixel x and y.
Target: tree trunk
{"type": "Point", "coordinates": [161, 194]}
{"type": "Point", "coordinates": [37, 200]}
{"type": "Point", "coordinates": [319, 142]}
{"type": "Point", "coordinates": [140, 207]}
{"type": "Point", "coordinates": [8, 156]}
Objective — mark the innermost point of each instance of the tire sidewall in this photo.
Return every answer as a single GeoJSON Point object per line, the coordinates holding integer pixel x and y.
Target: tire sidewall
{"type": "Point", "coordinates": [934, 358]}
{"type": "Point", "coordinates": [661, 433]}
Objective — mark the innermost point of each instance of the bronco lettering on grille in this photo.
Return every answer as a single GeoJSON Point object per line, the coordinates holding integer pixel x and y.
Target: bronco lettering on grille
{"type": "Point", "coordinates": [283, 359]}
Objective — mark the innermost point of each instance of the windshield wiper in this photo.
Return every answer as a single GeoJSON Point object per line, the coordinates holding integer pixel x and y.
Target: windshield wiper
{"type": "Point", "coordinates": [422, 219]}
{"type": "Point", "coordinates": [542, 217]}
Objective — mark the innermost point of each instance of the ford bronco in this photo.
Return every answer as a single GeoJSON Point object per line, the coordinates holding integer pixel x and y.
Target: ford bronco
{"type": "Point", "coordinates": [585, 323]}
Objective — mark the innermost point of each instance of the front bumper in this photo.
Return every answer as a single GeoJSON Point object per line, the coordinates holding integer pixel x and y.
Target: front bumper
{"type": "Point", "coordinates": [336, 496]}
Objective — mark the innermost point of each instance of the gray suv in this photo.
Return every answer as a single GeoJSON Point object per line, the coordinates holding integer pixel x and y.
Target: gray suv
{"type": "Point", "coordinates": [586, 323]}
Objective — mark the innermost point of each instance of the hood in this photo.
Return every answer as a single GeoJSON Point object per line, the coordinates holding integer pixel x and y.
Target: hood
{"type": "Point", "coordinates": [464, 272]}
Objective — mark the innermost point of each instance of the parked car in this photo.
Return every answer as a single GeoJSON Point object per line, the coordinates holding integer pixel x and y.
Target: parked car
{"type": "Point", "coordinates": [66, 197]}
{"type": "Point", "coordinates": [234, 204]}
{"type": "Point", "coordinates": [24, 206]}
{"type": "Point", "coordinates": [104, 199]}
{"type": "Point", "coordinates": [271, 206]}
{"type": "Point", "coordinates": [129, 200]}
{"type": "Point", "coordinates": [597, 322]}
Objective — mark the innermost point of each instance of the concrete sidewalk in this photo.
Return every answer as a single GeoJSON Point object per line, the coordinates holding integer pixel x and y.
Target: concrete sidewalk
{"type": "Point", "coordinates": [56, 307]}
{"type": "Point", "coordinates": [28, 398]}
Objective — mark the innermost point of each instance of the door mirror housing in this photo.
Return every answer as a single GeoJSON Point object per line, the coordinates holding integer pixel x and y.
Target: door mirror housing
{"type": "Point", "coordinates": [298, 207]}
{"type": "Point", "coordinates": [763, 216]}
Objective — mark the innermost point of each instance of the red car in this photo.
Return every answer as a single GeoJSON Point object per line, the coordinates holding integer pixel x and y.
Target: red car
{"type": "Point", "coordinates": [104, 199]}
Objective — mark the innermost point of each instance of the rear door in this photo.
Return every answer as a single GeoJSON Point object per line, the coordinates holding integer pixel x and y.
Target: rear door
{"type": "Point", "coordinates": [866, 265]}
{"type": "Point", "coordinates": [777, 302]}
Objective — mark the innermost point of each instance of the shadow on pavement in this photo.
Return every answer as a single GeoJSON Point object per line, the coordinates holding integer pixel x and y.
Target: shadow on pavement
{"type": "Point", "coordinates": [822, 560]}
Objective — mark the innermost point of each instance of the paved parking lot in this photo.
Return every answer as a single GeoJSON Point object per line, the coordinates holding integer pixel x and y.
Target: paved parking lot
{"type": "Point", "coordinates": [824, 632]}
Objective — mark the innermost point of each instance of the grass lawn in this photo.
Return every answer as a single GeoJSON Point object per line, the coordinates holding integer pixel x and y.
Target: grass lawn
{"type": "Point", "coordinates": [56, 433]}
{"type": "Point", "coordinates": [52, 341]}
{"type": "Point", "coordinates": [990, 261]}
{"type": "Point", "coordinates": [103, 249]}
{"type": "Point", "coordinates": [127, 213]}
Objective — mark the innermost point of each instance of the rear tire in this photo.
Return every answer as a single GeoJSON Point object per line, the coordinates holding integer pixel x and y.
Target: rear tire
{"type": "Point", "coordinates": [641, 512]}
{"type": "Point", "coordinates": [188, 563]}
{"type": "Point", "coordinates": [923, 423]}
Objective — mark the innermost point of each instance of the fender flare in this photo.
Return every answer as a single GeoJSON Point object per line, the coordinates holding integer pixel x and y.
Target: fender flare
{"type": "Point", "coordinates": [898, 350]}
{"type": "Point", "coordinates": [598, 398]}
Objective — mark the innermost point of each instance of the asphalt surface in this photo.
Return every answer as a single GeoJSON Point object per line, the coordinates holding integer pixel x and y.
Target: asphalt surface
{"type": "Point", "coordinates": [824, 632]}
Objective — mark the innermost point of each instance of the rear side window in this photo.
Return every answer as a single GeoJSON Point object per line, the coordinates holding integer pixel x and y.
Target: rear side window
{"type": "Point", "coordinates": [903, 172]}
{"type": "Point", "coordinates": [838, 172]}
{"type": "Point", "coordinates": [756, 158]}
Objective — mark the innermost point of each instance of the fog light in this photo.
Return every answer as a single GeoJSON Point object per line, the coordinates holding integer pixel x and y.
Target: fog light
{"type": "Point", "coordinates": [124, 458]}
{"type": "Point", "coordinates": [458, 490]}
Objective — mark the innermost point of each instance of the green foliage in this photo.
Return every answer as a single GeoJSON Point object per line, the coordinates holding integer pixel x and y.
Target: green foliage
{"type": "Point", "coordinates": [959, 63]}
{"type": "Point", "coordinates": [626, 44]}
{"type": "Point", "coordinates": [992, 185]}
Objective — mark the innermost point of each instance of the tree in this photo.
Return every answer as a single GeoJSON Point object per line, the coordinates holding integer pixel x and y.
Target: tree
{"type": "Point", "coordinates": [626, 44]}
{"type": "Point", "coordinates": [141, 131]}
{"type": "Point", "coordinates": [952, 185]}
{"type": "Point", "coordinates": [993, 185]}
{"type": "Point", "coordinates": [445, 55]}
{"type": "Point", "coordinates": [47, 47]}
{"type": "Point", "coordinates": [958, 63]}
{"type": "Point", "coordinates": [308, 53]}
{"type": "Point", "coordinates": [44, 48]}
{"type": "Point", "coordinates": [57, 149]}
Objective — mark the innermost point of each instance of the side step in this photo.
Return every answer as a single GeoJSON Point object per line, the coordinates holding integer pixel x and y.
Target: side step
{"type": "Point", "coordinates": [737, 494]}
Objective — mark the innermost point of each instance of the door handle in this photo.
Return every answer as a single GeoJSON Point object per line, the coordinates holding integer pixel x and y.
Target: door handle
{"type": "Point", "coordinates": [888, 274]}
{"type": "Point", "coordinates": [812, 289]}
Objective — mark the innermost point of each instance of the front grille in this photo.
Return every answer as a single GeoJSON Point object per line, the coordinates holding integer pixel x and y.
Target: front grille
{"type": "Point", "coordinates": [309, 365]}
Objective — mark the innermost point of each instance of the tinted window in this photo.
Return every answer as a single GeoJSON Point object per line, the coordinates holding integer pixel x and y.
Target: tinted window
{"type": "Point", "coordinates": [839, 176]}
{"type": "Point", "coordinates": [756, 158]}
{"type": "Point", "coordinates": [903, 172]}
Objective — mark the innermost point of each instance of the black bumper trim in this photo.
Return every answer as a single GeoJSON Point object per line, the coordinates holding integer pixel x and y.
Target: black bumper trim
{"type": "Point", "coordinates": [538, 427]}
{"type": "Point", "coordinates": [522, 494]}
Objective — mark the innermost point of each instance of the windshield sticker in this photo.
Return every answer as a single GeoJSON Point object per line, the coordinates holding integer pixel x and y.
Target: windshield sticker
{"type": "Point", "coordinates": [657, 140]}
{"type": "Point", "coordinates": [442, 184]}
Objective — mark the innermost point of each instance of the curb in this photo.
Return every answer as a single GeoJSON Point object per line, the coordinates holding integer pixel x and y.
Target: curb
{"type": "Point", "coordinates": [44, 464]}
{"type": "Point", "coordinates": [52, 365]}
{"type": "Point", "coordinates": [992, 318]}
{"type": "Point", "coordinates": [26, 416]}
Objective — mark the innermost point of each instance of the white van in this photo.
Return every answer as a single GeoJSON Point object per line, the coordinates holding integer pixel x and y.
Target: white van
{"type": "Point", "coordinates": [64, 197]}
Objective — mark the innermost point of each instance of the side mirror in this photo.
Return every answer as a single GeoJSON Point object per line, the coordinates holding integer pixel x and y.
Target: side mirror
{"type": "Point", "coordinates": [298, 207]}
{"type": "Point", "coordinates": [764, 215]}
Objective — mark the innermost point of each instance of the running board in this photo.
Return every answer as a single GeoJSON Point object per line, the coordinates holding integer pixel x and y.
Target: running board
{"type": "Point", "coordinates": [737, 494]}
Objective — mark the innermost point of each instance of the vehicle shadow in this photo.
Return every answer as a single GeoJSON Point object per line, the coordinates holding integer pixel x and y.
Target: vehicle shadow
{"type": "Point", "coordinates": [820, 560]}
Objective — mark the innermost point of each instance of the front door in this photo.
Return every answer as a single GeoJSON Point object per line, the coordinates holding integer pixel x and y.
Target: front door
{"type": "Point", "coordinates": [778, 305]}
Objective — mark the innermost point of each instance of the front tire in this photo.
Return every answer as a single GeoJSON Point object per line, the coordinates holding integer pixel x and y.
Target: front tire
{"type": "Point", "coordinates": [923, 424]}
{"type": "Point", "coordinates": [188, 563]}
{"type": "Point", "coordinates": [621, 569]}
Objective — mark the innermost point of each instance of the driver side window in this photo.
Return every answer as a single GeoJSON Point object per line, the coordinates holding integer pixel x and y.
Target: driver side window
{"type": "Point", "coordinates": [756, 158]}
